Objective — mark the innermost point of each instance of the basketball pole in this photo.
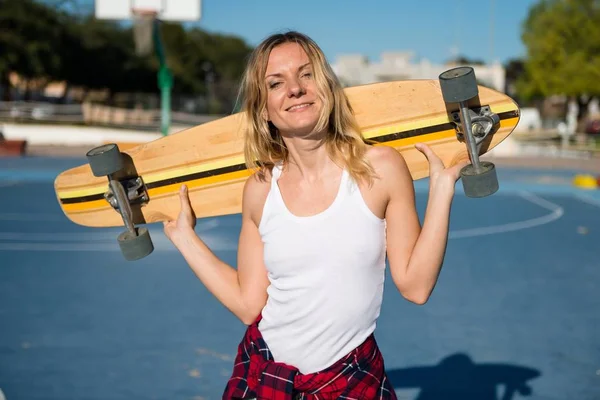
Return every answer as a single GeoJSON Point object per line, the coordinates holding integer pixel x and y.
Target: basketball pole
{"type": "Point", "coordinates": [164, 78]}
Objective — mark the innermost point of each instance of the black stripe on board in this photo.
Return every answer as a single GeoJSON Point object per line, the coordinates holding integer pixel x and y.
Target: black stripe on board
{"type": "Point", "coordinates": [83, 199]}
{"type": "Point", "coordinates": [198, 175]}
{"type": "Point", "coordinates": [239, 167]}
{"type": "Point", "coordinates": [412, 133]}
{"type": "Point", "coordinates": [165, 182]}
{"type": "Point", "coordinates": [430, 129]}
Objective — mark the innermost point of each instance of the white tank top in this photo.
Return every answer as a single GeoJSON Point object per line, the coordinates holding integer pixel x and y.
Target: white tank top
{"type": "Point", "coordinates": [326, 274]}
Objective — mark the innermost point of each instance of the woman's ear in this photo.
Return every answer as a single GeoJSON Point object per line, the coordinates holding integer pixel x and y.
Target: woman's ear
{"type": "Point", "coordinates": [265, 115]}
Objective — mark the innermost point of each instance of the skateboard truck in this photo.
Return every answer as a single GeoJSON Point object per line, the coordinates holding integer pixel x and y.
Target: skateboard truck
{"type": "Point", "coordinates": [107, 160]}
{"type": "Point", "coordinates": [459, 86]}
{"type": "Point", "coordinates": [135, 189]}
{"type": "Point", "coordinates": [482, 123]}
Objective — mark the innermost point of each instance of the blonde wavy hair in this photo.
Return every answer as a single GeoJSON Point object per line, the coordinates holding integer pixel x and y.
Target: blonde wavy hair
{"type": "Point", "coordinates": [264, 146]}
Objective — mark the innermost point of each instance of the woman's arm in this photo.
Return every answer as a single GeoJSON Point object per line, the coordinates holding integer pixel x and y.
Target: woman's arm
{"type": "Point", "coordinates": [416, 253]}
{"type": "Point", "coordinates": [242, 291]}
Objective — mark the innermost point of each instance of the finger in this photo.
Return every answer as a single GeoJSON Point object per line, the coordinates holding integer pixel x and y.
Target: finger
{"type": "Point", "coordinates": [186, 204]}
{"type": "Point", "coordinates": [184, 197]}
{"type": "Point", "coordinates": [422, 148]}
{"type": "Point", "coordinates": [426, 150]}
{"type": "Point", "coordinates": [432, 158]}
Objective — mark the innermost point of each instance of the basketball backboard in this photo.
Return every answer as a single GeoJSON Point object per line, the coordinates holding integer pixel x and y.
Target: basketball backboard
{"type": "Point", "coordinates": [166, 10]}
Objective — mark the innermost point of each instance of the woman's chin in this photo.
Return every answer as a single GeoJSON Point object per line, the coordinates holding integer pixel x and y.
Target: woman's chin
{"type": "Point", "coordinates": [301, 131]}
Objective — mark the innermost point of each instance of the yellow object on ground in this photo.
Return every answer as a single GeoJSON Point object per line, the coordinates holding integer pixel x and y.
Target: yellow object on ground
{"type": "Point", "coordinates": [585, 181]}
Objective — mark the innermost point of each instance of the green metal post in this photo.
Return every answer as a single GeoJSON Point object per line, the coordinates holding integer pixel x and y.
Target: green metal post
{"type": "Point", "coordinates": [165, 81]}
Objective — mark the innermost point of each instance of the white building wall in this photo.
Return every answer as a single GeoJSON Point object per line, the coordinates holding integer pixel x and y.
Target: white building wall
{"type": "Point", "coordinates": [355, 69]}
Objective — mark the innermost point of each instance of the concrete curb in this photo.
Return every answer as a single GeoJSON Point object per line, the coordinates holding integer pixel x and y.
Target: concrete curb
{"type": "Point", "coordinates": [72, 135]}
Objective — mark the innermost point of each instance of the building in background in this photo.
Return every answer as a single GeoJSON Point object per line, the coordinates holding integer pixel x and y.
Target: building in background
{"type": "Point", "coordinates": [356, 69]}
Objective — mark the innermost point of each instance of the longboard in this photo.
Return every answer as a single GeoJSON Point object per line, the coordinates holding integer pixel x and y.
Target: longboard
{"type": "Point", "coordinates": [209, 157]}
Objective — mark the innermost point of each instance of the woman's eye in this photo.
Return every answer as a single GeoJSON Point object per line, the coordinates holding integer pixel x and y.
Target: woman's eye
{"type": "Point", "coordinates": [273, 85]}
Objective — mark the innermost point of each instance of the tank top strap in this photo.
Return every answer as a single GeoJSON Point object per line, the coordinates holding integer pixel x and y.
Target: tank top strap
{"type": "Point", "coordinates": [275, 175]}
{"type": "Point", "coordinates": [276, 171]}
{"type": "Point", "coordinates": [277, 203]}
{"type": "Point", "coordinates": [274, 201]}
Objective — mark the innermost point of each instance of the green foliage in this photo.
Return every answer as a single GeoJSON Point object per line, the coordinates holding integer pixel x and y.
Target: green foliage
{"type": "Point", "coordinates": [562, 38]}
{"type": "Point", "coordinates": [55, 40]}
{"type": "Point", "coordinates": [29, 36]}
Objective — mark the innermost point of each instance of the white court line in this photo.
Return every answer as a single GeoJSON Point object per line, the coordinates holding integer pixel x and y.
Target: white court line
{"type": "Point", "coordinates": [556, 213]}
{"type": "Point", "coordinates": [43, 243]}
{"type": "Point", "coordinates": [53, 247]}
{"type": "Point", "coordinates": [201, 227]}
{"type": "Point", "coordinates": [587, 199]}
{"type": "Point", "coordinates": [93, 235]}
{"type": "Point", "coordinates": [58, 237]}
{"type": "Point", "coordinates": [219, 244]}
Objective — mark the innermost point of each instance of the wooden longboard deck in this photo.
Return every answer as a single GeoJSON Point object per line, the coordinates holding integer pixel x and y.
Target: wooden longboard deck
{"type": "Point", "coordinates": [209, 158]}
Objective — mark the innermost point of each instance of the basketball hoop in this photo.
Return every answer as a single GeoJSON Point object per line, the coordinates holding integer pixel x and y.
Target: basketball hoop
{"type": "Point", "coordinates": [143, 29]}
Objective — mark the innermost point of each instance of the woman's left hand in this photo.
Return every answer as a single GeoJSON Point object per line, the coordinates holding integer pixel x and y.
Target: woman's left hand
{"type": "Point", "coordinates": [439, 175]}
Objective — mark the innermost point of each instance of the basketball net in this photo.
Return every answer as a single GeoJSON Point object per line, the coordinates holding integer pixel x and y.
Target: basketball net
{"type": "Point", "coordinates": [143, 27]}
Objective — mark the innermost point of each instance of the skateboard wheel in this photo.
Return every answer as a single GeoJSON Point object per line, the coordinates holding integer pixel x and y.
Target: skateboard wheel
{"type": "Point", "coordinates": [458, 84]}
{"type": "Point", "coordinates": [482, 183]}
{"type": "Point", "coordinates": [135, 246]}
{"type": "Point", "coordinates": [105, 160]}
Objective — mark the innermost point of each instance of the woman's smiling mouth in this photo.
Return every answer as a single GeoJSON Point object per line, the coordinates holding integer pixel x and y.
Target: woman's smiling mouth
{"type": "Point", "coordinates": [299, 107]}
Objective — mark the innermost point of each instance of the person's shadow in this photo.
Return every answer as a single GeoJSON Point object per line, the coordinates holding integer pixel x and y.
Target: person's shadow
{"type": "Point", "coordinates": [457, 377]}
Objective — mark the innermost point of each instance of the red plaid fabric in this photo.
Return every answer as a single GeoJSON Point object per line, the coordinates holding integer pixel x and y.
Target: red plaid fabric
{"type": "Point", "coordinates": [358, 375]}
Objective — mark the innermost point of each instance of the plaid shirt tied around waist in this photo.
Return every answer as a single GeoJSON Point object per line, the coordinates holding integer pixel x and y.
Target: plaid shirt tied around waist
{"type": "Point", "coordinates": [358, 375]}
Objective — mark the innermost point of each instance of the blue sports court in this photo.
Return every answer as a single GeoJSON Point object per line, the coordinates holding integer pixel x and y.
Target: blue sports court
{"type": "Point", "coordinates": [514, 316]}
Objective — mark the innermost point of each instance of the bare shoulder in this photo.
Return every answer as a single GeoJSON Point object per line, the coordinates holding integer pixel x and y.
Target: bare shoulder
{"type": "Point", "coordinates": [256, 189]}
{"type": "Point", "coordinates": [389, 165]}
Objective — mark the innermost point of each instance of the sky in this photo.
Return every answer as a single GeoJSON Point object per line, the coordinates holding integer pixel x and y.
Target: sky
{"type": "Point", "coordinates": [487, 30]}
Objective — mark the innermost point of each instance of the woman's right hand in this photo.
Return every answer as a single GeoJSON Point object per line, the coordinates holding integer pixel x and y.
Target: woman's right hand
{"type": "Point", "coordinates": [185, 222]}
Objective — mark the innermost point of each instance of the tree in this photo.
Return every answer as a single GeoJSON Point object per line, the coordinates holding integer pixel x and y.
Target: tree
{"type": "Point", "coordinates": [562, 38]}
{"type": "Point", "coordinates": [28, 41]}
{"type": "Point", "coordinates": [61, 40]}
{"type": "Point", "coordinates": [97, 55]}
{"type": "Point", "coordinates": [515, 68]}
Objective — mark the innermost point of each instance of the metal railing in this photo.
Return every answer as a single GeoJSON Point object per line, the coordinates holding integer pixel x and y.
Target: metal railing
{"type": "Point", "coordinates": [94, 115]}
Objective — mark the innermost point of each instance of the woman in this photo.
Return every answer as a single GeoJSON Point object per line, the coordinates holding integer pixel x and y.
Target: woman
{"type": "Point", "coordinates": [319, 217]}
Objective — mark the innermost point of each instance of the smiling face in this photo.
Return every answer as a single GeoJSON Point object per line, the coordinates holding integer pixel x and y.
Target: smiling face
{"type": "Point", "coordinates": [293, 104]}
{"type": "Point", "coordinates": [289, 83]}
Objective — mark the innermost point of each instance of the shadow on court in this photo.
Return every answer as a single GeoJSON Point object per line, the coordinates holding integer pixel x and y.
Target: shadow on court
{"type": "Point", "coordinates": [458, 377]}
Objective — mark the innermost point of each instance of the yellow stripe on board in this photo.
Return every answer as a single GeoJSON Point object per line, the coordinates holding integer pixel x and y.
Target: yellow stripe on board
{"type": "Point", "coordinates": [168, 189]}
{"type": "Point", "coordinates": [207, 166]}
{"type": "Point", "coordinates": [408, 126]}
{"type": "Point", "coordinates": [88, 205]}
{"type": "Point", "coordinates": [450, 133]}
{"type": "Point", "coordinates": [150, 178]}
{"type": "Point", "coordinates": [91, 191]}
{"type": "Point", "coordinates": [508, 122]}
{"type": "Point", "coordinates": [375, 132]}
{"type": "Point", "coordinates": [236, 160]}
{"type": "Point", "coordinates": [503, 107]}
{"type": "Point", "coordinates": [211, 180]}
